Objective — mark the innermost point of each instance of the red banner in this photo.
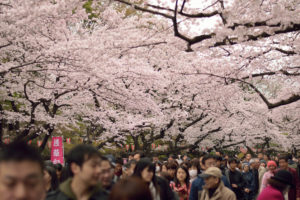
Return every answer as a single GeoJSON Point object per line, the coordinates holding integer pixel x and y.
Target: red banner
{"type": "Point", "coordinates": [57, 150]}
{"type": "Point", "coordinates": [153, 146]}
{"type": "Point", "coordinates": [132, 147]}
{"type": "Point", "coordinates": [29, 142]}
{"type": "Point", "coordinates": [127, 147]}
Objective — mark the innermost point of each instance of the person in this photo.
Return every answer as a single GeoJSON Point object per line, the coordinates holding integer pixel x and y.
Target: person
{"type": "Point", "coordinates": [181, 184]}
{"type": "Point", "coordinates": [107, 174]}
{"type": "Point", "coordinates": [138, 155]}
{"type": "Point", "coordinates": [58, 168]}
{"type": "Point", "coordinates": [194, 169]}
{"type": "Point", "coordinates": [197, 185]}
{"type": "Point", "coordinates": [294, 192]}
{"type": "Point", "coordinates": [84, 164]}
{"type": "Point", "coordinates": [130, 188]}
{"type": "Point", "coordinates": [248, 157]}
{"type": "Point", "coordinates": [278, 185]}
{"type": "Point", "coordinates": [261, 171]}
{"type": "Point", "coordinates": [21, 173]}
{"type": "Point", "coordinates": [171, 168]}
{"type": "Point", "coordinates": [254, 166]}
{"type": "Point", "coordinates": [51, 179]}
{"type": "Point", "coordinates": [235, 179]}
{"type": "Point", "coordinates": [159, 188]}
{"type": "Point", "coordinates": [118, 169]}
{"type": "Point", "coordinates": [249, 182]}
{"type": "Point", "coordinates": [214, 188]}
{"type": "Point", "coordinates": [271, 171]}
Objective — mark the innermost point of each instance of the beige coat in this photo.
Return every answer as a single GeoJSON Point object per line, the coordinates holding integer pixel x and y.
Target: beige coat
{"type": "Point", "coordinates": [222, 193]}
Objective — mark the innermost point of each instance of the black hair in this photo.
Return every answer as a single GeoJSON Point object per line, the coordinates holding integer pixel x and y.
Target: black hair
{"type": "Point", "coordinates": [284, 157]}
{"type": "Point", "coordinates": [187, 179]}
{"type": "Point", "coordinates": [58, 167]}
{"type": "Point", "coordinates": [54, 180]}
{"type": "Point", "coordinates": [206, 157]}
{"type": "Point", "coordinates": [195, 162]}
{"type": "Point", "coordinates": [172, 165]}
{"type": "Point", "coordinates": [119, 161]}
{"type": "Point", "coordinates": [19, 151]}
{"type": "Point", "coordinates": [81, 153]}
{"type": "Point", "coordinates": [141, 165]}
{"type": "Point", "coordinates": [231, 160]}
{"type": "Point", "coordinates": [218, 158]}
{"type": "Point", "coordinates": [142, 155]}
{"type": "Point", "coordinates": [65, 174]}
{"type": "Point", "coordinates": [103, 158]}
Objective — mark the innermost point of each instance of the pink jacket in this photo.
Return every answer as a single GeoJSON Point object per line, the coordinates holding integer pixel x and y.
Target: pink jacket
{"type": "Point", "coordinates": [270, 193]}
{"type": "Point", "coordinates": [264, 182]}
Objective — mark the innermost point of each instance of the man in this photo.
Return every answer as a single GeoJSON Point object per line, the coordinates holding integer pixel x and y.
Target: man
{"type": "Point", "coordinates": [128, 169]}
{"type": "Point", "coordinates": [214, 188]}
{"type": "Point", "coordinates": [235, 178]}
{"type": "Point", "coordinates": [84, 164]}
{"type": "Point", "coordinates": [248, 157]}
{"type": "Point", "coordinates": [21, 173]}
{"type": "Point", "coordinates": [107, 174]}
{"type": "Point", "coordinates": [138, 155]}
{"type": "Point", "coordinates": [171, 167]}
{"type": "Point", "coordinates": [118, 169]}
{"type": "Point", "coordinates": [294, 192]}
{"type": "Point", "coordinates": [254, 166]}
{"type": "Point", "coordinates": [197, 185]}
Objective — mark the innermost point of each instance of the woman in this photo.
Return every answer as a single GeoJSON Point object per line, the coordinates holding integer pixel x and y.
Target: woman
{"type": "Point", "coordinates": [249, 182]}
{"type": "Point", "coordinates": [130, 188]}
{"type": "Point", "coordinates": [194, 169]}
{"type": "Point", "coordinates": [159, 188]}
{"type": "Point", "coordinates": [51, 178]}
{"type": "Point", "coordinates": [278, 185]}
{"type": "Point", "coordinates": [271, 170]}
{"type": "Point", "coordinates": [181, 184]}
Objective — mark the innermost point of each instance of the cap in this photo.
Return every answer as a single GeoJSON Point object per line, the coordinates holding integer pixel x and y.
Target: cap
{"type": "Point", "coordinates": [271, 162]}
{"type": "Point", "coordinates": [212, 171]}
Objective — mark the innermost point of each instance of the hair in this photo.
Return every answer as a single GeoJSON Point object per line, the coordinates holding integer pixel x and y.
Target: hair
{"type": "Point", "coordinates": [105, 159]}
{"type": "Point", "coordinates": [54, 180]}
{"type": "Point", "coordinates": [277, 184]}
{"type": "Point", "coordinates": [195, 162]}
{"type": "Point", "coordinates": [231, 160]}
{"type": "Point", "coordinates": [119, 161]}
{"type": "Point", "coordinates": [186, 164]}
{"type": "Point", "coordinates": [19, 151]}
{"type": "Point", "coordinates": [81, 153]}
{"type": "Point", "coordinates": [166, 176]}
{"type": "Point", "coordinates": [187, 179]}
{"type": "Point", "coordinates": [206, 157]}
{"type": "Point", "coordinates": [58, 167]}
{"type": "Point", "coordinates": [142, 155]}
{"type": "Point", "coordinates": [65, 174]}
{"type": "Point", "coordinates": [284, 157]}
{"type": "Point", "coordinates": [172, 165]}
{"type": "Point", "coordinates": [141, 165]}
{"type": "Point", "coordinates": [131, 188]}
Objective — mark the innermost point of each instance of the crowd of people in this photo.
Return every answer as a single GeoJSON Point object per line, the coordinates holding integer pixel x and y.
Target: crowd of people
{"type": "Point", "coordinates": [88, 175]}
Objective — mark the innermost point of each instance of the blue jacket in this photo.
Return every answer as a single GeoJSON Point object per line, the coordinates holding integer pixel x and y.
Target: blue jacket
{"type": "Point", "coordinates": [198, 183]}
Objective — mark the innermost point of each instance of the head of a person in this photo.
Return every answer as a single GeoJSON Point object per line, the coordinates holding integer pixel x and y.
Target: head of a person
{"type": "Point", "coordinates": [211, 176]}
{"type": "Point", "coordinates": [51, 178]}
{"type": "Point", "coordinates": [182, 176]}
{"type": "Point", "coordinates": [84, 164]}
{"type": "Point", "coordinates": [266, 157]}
{"type": "Point", "coordinates": [245, 167]}
{"type": "Point", "coordinates": [260, 156]}
{"type": "Point", "coordinates": [164, 168]}
{"type": "Point", "coordinates": [107, 172]}
{"type": "Point", "coordinates": [58, 167]}
{"type": "Point", "coordinates": [248, 157]}
{"type": "Point", "coordinates": [171, 168]}
{"type": "Point", "coordinates": [131, 188]}
{"type": "Point", "coordinates": [194, 168]}
{"type": "Point", "coordinates": [254, 163]}
{"type": "Point", "coordinates": [138, 155]}
{"type": "Point", "coordinates": [155, 158]}
{"type": "Point", "coordinates": [271, 165]}
{"type": "Point", "coordinates": [21, 173]}
{"type": "Point", "coordinates": [282, 180]}
{"type": "Point", "coordinates": [118, 166]}
{"type": "Point", "coordinates": [171, 158]}
{"type": "Point", "coordinates": [185, 158]}
{"type": "Point", "coordinates": [130, 157]}
{"type": "Point", "coordinates": [145, 169]}
{"type": "Point", "coordinates": [283, 162]}
{"type": "Point", "coordinates": [263, 163]}
{"type": "Point", "coordinates": [232, 163]}
{"type": "Point", "coordinates": [158, 167]}
{"type": "Point", "coordinates": [208, 161]}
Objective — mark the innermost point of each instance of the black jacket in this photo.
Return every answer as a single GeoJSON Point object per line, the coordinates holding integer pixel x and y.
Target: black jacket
{"type": "Point", "coordinates": [236, 178]}
{"type": "Point", "coordinates": [65, 193]}
{"type": "Point", "coordinates": [165, 190]}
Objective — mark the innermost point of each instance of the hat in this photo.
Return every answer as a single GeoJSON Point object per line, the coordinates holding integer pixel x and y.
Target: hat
{"type": "Point", "coordinates": [283, 176]}
{"type": "Point", "coordinates": [271, 162]}
{"type": "Point", "coordinates": [212, 171]}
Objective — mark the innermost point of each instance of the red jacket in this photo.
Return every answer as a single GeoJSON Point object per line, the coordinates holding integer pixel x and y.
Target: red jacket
{"type": "Point", "coordinates": [270, 193]}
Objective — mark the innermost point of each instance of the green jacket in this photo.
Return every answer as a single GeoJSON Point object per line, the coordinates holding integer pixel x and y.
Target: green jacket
{"type": "Point", "coordinates": [65, 193]}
